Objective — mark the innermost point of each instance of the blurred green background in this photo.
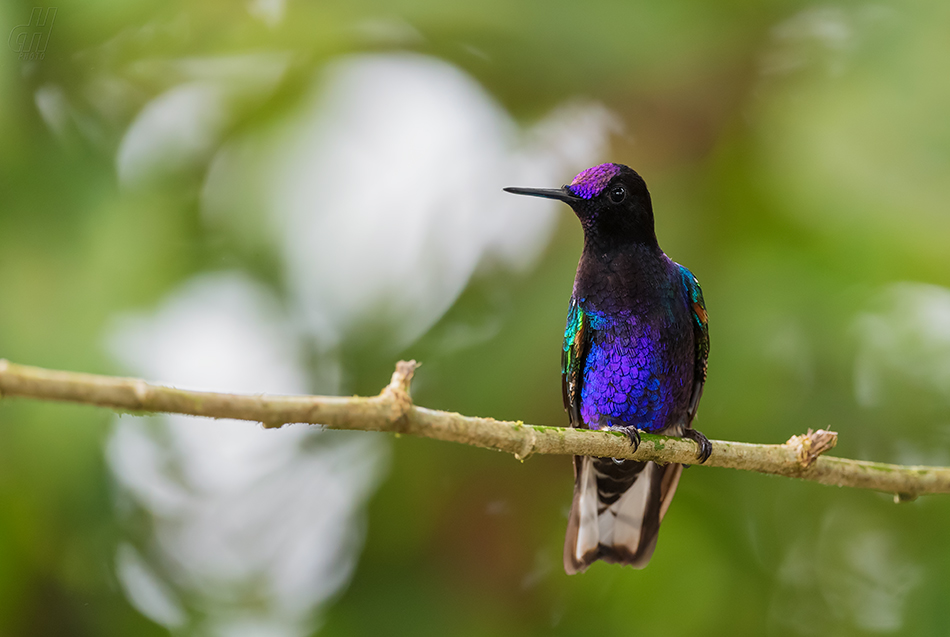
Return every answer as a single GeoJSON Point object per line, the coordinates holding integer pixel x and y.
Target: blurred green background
{"type": "Point", "coordinates": [798, 155]}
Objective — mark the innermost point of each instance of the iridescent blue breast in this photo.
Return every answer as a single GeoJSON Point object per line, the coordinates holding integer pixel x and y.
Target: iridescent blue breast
{"type": "Point", "coordinates": [633, 373]}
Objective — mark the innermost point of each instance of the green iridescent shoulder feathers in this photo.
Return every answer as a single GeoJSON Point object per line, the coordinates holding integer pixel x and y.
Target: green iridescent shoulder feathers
{"type": "Point", "coordinates": [576, 337]}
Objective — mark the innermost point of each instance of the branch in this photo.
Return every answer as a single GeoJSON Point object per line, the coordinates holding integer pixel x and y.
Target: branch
{"type": "Point", "coordinates": [393, 411]}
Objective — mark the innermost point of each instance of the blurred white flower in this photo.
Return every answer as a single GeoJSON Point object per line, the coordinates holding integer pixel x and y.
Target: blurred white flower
{"type": "Point", "coordinates": [388, 31]}
{"type": "Point", "coordinates": [270, 12]}
{"type": "Point", "coordinates": [147, 592]}
{"type": "Point", "coordinates": [907, 338]}
{"type": "Point", "coordinates": [173, 131]}
{"type": "Point", "coordinates": [816, 32]}
{"type": "Point", "coordinates": [382, 196]}
{"type": "Point", "coordinates": [826, 37]}
{"type": "Point", "coordinates": [53, 106]}
{"type": "Point", "coordinates": [180, 128]}
{"type": "Point", "coordinates": [385, 189]}
{"type": "Point", "coordinates": [258, 528]}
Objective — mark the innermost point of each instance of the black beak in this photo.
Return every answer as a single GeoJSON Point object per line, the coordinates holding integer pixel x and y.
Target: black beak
{"type": "Point", "coordinates": [561, 194]}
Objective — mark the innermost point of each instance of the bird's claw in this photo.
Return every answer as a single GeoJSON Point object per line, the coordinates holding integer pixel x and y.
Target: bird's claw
{"type": "Point", "coordinates": [705, 447]}
{"type": "Point", "coordinates": [634, 435]}
{"type": "Point", "coordinates": [630, 431]}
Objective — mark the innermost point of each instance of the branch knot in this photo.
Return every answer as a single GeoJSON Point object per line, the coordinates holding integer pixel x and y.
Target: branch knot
{"type": "Point", "coordinates": [812, 444]}
{"type": "Point", "coordinates": [397, 391]}
{"type": "Point", "coordinates": [529, 443]}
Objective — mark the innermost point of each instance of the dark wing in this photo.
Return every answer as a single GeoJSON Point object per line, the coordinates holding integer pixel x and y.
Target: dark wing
{"type": "Point", "coordinates": [576, 344]}
{"type": "Point", "coordinates": [700, 335]}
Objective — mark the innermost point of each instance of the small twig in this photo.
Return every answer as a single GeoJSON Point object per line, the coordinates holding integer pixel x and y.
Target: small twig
{"type": "Point", "coordinates": [393, 411]}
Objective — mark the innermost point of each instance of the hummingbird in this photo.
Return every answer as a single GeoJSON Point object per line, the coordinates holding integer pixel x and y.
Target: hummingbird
{"type": "Point", "coordinates": [633, 359]}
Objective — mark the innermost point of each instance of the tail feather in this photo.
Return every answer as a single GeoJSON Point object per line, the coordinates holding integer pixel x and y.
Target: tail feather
{"type": "Point", "coordinates": [617, 511]}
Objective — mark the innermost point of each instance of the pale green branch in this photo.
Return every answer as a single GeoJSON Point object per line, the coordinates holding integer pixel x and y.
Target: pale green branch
{"type": "Point", "coordinates": [393, 411]}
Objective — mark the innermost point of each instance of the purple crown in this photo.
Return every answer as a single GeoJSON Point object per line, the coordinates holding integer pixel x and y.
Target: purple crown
{"type": "Point", "coordinates": [592, 181]}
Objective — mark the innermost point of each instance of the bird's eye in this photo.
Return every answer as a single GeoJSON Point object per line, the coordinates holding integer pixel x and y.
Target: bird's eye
{"type": "Point", "coordinates": [617, 194]}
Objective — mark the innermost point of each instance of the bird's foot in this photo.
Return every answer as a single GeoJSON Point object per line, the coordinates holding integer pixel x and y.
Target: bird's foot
{"type": "Point", "coordinates": [705, 447]}
{"type": "Point", "coordinates": [630, 431]}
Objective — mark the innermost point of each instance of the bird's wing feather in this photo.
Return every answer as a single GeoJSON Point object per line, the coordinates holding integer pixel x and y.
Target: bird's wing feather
{"type": "Point", "coordinates": [573, 354]}
{"type": "Point", "coordinates": [701, 336]}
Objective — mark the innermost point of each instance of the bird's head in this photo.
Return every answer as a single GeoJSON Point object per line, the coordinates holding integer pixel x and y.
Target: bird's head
{"type": "Point", "coordinates": [611, 201]}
